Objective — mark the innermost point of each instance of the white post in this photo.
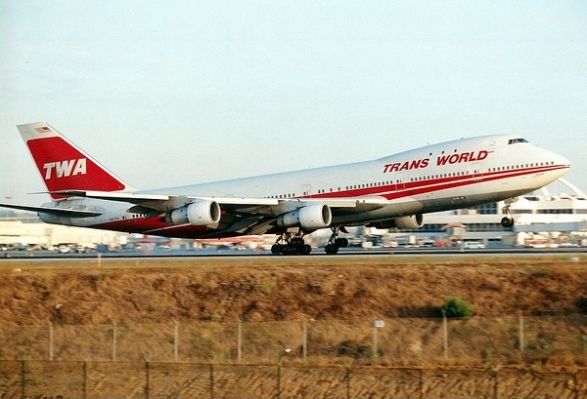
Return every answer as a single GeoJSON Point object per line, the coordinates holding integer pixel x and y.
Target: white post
{"type": "Point", "coordinates": [50, 341]}
{"type": "Point", "coordinates": [113, 340]}
{"type": "Point", "coordinates": [445, 334]}
{"type": "Point", "coordinates": [99, 259]}
{"type": "Point", "coordinates": [175, 340]}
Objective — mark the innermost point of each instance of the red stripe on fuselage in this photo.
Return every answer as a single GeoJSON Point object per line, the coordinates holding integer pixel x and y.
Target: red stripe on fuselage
{"type": "Point", "coordinates": [404, 189]}
{"type": "Point", "coordinates": [156, 226]}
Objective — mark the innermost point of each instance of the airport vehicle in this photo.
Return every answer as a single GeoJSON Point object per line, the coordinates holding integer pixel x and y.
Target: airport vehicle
{"type": "Point", "coordinates": [393, 191]}
{"type": "Point", "coordinates": [473, 245]}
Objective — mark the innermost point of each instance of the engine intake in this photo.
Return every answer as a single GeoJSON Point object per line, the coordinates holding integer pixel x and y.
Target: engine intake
{"type": "Point", "coordinates": [309, 217]}
{"type": "Point", "coordinates": [198, 213]}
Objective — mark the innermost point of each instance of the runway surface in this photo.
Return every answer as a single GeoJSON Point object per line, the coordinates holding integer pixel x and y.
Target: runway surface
{"type": "Point", "coordinates": [317, 252]}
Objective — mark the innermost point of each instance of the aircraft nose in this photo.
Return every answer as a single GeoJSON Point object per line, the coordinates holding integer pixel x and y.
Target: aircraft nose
{"type": "Point", "coordinates": [562, 161]}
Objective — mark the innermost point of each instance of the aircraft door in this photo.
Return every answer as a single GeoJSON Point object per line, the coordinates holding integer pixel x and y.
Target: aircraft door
{"type": "Point", "coordinates": [477, 175]}
{"type": "Point", "coordinates": [399, 181]}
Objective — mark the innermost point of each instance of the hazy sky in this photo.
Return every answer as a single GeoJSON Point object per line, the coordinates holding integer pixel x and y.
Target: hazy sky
{"type": "Point", "coordinates": [176, 92]}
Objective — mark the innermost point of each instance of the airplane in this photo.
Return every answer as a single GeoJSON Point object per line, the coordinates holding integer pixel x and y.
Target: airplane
{"type": "Point", "coordinates": [390, 192]}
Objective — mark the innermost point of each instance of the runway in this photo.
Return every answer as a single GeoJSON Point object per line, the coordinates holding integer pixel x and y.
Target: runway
{"type": "Point", "coordinates": [317, 252]}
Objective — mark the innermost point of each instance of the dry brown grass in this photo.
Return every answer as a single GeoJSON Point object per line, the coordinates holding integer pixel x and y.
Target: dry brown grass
{"type": "Point", "coordinates": [267, 289]}
{"type": "Point", "coordinates": [338, 298]}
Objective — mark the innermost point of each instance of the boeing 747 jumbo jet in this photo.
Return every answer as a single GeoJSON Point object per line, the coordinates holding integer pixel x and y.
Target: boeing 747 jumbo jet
{"type": "Point", "coordinates": [393, 191]}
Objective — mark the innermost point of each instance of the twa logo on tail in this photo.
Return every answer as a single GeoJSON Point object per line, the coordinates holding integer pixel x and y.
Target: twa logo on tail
{"type": "Point", "coordinates": [63, 165]}
{"type": "Point", "coordinates": [72, 167]}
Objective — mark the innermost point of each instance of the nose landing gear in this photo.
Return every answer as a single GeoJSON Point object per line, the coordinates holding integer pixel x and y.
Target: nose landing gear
{"type": "Point", "coordinates": [508, 220]}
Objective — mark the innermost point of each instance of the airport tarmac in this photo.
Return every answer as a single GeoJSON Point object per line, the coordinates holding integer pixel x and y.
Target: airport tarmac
{"type": "Point", "coordinates": [16, 255]}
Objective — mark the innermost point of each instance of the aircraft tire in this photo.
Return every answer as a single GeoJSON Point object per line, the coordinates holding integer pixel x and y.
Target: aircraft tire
{"type": "Point", "coordinates": [341, 242]}
{"type": "Point", "coordinates": [507, 222]}
{"type": "Point", "coordinates": [331, 249]}
{"type": "Point", "coordinates": [297, 242]}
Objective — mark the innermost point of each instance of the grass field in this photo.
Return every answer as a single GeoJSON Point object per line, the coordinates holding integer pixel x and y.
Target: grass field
{"type": "Point", "coordinates": [269, 289]}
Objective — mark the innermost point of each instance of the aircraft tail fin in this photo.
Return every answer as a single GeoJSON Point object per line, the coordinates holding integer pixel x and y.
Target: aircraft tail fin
{"type": "Point", "coordinates": [64, 166]}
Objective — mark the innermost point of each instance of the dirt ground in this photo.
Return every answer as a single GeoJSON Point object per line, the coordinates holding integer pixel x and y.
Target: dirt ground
{"type": "Point", "coordinates": [283, 290]}
{"type": "Point", "coordinates": [287, 288]}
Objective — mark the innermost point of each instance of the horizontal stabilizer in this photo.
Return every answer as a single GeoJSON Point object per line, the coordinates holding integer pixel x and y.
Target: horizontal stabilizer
{"type": "Point", "coordinates": [75, 213]}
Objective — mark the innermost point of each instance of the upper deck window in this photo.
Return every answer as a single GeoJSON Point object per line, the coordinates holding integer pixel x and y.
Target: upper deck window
{"type": "Point", "coordinates": [520, 140]}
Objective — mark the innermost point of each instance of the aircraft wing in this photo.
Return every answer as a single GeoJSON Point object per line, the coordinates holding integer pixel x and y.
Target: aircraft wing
{"type": "Point", "coordinates": [53, 211]}
{"type": "Point", "coordinates": [164, 203]}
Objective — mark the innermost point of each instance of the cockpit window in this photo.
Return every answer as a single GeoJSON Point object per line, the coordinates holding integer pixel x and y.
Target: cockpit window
{"type": "Point", "coordinates": [520, 140]}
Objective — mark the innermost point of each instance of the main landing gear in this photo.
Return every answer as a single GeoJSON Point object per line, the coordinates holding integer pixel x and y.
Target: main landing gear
{"type": "Point", "coordinates": [287, 244]}
{"type": "Point", "coordinates": [334, 242]}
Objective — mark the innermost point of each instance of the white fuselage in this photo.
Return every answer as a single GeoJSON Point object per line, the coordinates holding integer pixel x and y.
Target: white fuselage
{"type": "Point", "coordinates": [449, 175]}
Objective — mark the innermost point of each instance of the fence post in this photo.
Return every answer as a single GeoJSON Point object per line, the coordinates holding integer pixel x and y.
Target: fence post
{"type": "Point", "coordinates": [279, 379]}
{"type": "Point", "coordinates": [445, 334]}
{"type": "Point", "coordinates": [23, 379]}
{"type": "Point", "coordinates": [147, 387]}
{"type": "Point", "coordinates": [348, 382]}
{"type": "Point", "coordinates": [304, 338]}
{"type": "Point", "coordinates": [521, 332]}
{"type": "Point", "coordinates": [374, 355]}
{"type": "Point", "coordinates": [85, 371]}
{"type": "Point", "coordinates": [211, 381]}
{"type": "Point", "coordinates": [239, 341]}
{"type": "Point", "coordinates": [50, 341]}
{"type": "Point", "coordinates": [421, 383]}
{"type": "Point", "coordinates": [496, 384]}
{"type": "Point", "coordinates": [113, 340]}
{"type": "Point", "coordinates": [175, 340]}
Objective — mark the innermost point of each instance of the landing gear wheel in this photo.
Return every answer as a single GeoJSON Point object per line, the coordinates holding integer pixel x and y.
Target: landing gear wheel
{"type": "Point", "coordinates": [289, 250]}
{"type": "Point", "coordinates": [331, 249]}
{"type": "Point", "coordinates": [507, 222]}
{"type": "Point", "coordinates": [288, 245]}
{"type": "Point", "coordinates": [297, 242]}
{"type": "Point", "coordinates": [334, 243]}
{"type": "Point", "coordinates": [341, 242]}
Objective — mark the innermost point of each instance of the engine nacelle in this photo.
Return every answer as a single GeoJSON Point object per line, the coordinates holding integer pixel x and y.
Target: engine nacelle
{"type": "Point", "coordinates": [404, 222]}
{"type": "Point", "coordinates": [309, 217]}
{"type": "Point", "coordinates": [409, 222]}
{"type": "Point", "coordinates": [198, 213]}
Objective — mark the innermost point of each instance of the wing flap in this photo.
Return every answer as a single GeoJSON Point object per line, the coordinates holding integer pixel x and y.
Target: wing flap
{"type": "Point", "coordinates": [77, 213]}
{"type": "Point", "coordinates": [252, 205]}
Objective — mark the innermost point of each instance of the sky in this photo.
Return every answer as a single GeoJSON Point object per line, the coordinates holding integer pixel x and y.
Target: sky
{"type": "Point", "coordinates": [167, 93]}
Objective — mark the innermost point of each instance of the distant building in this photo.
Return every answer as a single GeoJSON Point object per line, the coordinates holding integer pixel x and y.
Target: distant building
{"type": "Point", "coordinates": [28, 229]}
{"type": "Point", "coordinates": [536, 212]}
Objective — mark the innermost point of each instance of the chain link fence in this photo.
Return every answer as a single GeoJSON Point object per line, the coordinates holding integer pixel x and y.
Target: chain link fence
{"type": "Point", "coordinates": [401, 341]}
{"type": "Point", "coordinates": [110, 380]}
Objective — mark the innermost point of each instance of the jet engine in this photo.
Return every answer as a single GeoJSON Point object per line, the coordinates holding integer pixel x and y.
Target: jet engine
{"type": "Point", "coordinates": [309, 217]}
{"type": "Point", "coordinates": [403, 222]}
{"type": "Point", "coordinates": [198, 213]}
